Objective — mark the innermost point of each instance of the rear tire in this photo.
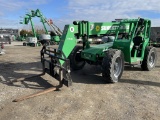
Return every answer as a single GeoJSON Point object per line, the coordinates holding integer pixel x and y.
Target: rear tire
{"type": "Point", "coordinates": [150, 59]}
{"type": "Point", "coordinates": [47, 43]}
{"type": "Point", "coordinates": [33, 44]}
{"type": "Point", "coordinates": [24, 44]}
{"type": "Point", "coordinates": [52, 43]}
{"type": "Point", "coordinates": [76, 62]}
{"type": "Point", "coordinates": [113, 65]}
{"type": "Point", "coordinates": [9, 41]}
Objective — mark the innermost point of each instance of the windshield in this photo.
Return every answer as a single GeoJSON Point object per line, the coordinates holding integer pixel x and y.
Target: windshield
{"type": "Point", "coordinates": [123, 36]}
{"type": "Point", "coordinates": [106, 39]}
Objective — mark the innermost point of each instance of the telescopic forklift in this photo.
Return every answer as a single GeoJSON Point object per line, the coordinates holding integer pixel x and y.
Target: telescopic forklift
{"type": "Point", "coordinates": [131, 45]}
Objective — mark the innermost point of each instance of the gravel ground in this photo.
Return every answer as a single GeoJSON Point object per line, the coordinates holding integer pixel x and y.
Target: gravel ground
{"type": "Point", "coordinates": [135, 97]}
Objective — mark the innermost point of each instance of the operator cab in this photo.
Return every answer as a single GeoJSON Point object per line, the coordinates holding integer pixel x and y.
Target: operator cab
{"type": "Point", "coordinates": [107, 39]}
{"type": "Point", "coordinates": [138, 42]}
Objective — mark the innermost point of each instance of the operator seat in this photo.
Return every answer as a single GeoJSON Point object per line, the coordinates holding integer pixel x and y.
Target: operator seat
{"type": "Point", "coordinates": [138, 40]}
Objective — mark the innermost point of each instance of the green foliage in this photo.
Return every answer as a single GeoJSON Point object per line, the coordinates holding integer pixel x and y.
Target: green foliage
{"type": "Point", "coordinates": [30, 33]}
{"type": "Point", "coordinates": [40, 31]}
{"type": "Point", "coordinates": [26, 33]}
{"type": "Point", "coordinates": [23, 32]}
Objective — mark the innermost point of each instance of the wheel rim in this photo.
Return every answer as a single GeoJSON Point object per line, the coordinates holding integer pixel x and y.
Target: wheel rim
{"type": "Point", "coordinates": [117, 67]}
{"type": "Point", "coordinates": [152, 59]}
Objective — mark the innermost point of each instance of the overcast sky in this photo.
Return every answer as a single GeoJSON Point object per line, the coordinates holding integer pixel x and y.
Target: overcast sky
{"type": "Point", "coordinates": [66, 11]}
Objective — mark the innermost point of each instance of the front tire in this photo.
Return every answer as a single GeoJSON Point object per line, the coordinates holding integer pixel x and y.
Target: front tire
{"type": "Point", "coordinates": [113, 65]}
{"type": "Point", "coordinates": [150, 59]}
{"type": "Point", "coordinates": [76, 62]}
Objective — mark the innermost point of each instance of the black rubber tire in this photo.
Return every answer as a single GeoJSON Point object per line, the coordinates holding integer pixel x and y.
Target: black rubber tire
{"type": "Point", "coordinates": [9, 41]}
{"type": "Point", "coordinates": [33, 45]}
{"type": "Point", "coordinates": [76, 62]}
{"type": "Point", "coordinates": [109, 63]}
{"type": "Point", "coordinates": [42, 42]}
{"type": "Point", "coordinates": [47, 43]}
{"type": "Point", "coordinates": [52, 43]}
{"type": "Point", "coordinates": [57, 43]}
{"type": "Point", "coordinates": [149, 52]}
{"type": "Point", "coordinates": [154, 45]}
{"type": "Point", "coordinates": [24, 44]}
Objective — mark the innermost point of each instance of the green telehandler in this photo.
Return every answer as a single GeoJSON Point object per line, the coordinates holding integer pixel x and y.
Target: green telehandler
{"type": "Point", "coordinates": [131, 45]}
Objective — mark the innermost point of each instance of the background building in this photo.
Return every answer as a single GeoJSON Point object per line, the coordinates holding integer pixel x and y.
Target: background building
{"type": "Point", "coordinates": [155, 33]}
{"type": "Point", "coordinates": [9, 31]}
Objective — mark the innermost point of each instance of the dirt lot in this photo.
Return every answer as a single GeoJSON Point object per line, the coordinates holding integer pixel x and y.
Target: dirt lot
{"type": "Point", "coordinates": [135, 97]}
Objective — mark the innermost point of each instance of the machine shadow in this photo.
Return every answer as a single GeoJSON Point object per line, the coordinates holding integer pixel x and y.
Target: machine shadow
{"type": "Point", "coordinates": [128, 68]}
{"type": "Point", "coordinates": [12, 71]}
{"type": "Point", "coordinates": [96, 79]}
{"type": "Point", "coordinates": [157, 66]}
{"type": "Point", "coordinates": [93, 74]}
{"type": "Point", "coordinates": [88, 79]}
{"type": "Point", "coordinates": [18, 45]}
{"type": "Point", "coordinates": [88, 75]}
{"type": "Point", "coordinates": [33, 83]}
{"type": "Point", "coordinates": [140, 82]}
